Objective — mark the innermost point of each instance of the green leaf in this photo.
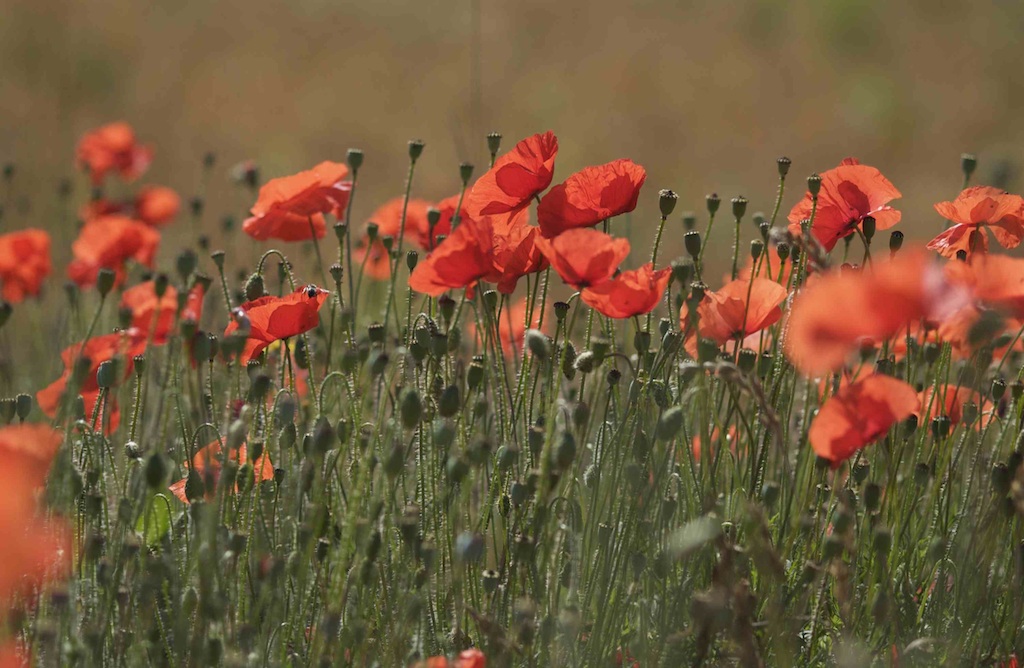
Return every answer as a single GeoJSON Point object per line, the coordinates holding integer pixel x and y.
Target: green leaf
{"type": "Point", "coordinates": [155, 521]}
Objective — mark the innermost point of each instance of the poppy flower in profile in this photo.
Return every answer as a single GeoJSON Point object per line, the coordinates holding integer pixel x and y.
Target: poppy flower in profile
{"type": "Point", "coordinates": [515, 178]}
{"type": "Point", "coordinates": [459, 261]}
{"type": "Point", "coordinates": [271, 319]}
{"type": "Point", "coordinates": [108, 242]}
{"type": "Point", "coordinates": [157, 205]}
{"type": "Point", "coordinates": [123, 345]}
{"type": "Point", "coordinates": [591, 195]}
{"type": "Point", "coordinates": [24, 263]}
{"type": "Point", "coordinates": [737, 310]}
{"type": "Point", "coordinates": [972, 211]}
{"type": "Point", "coordinates": [208, 462]}
{"type": "Point", "coordinates": [516, 254]}
{"type": "Point", "coordinates": [631, 293]}
{"type": "Point", "coordinates": [144, 305]}
{"type": "Point", "coordinates": [859, 414]}
{"type": "Point", "coordinates": [584, 257]}
{"type": "Point", "coordinates": [292, 208]}
{"type": "Point", "coordinates": [995, 280]}
{"type": "Point", "coordinates": [112, 147]}
{"type": "Point", "coordinates": [36, 549]}
{"type": "Point", "coordinates": [832, 316]}
{"type": "Point", "coordinates": [849, 193]}
{"type": "Point", "coordinates": [949, 400]}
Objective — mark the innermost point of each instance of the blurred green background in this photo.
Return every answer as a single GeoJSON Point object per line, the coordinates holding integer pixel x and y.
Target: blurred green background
{"type": "Point", "coordinates": [705, 95]}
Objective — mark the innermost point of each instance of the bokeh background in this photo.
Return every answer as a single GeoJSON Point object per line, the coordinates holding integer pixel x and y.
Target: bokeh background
{"type": "Point", "coordinates": [706, 95]}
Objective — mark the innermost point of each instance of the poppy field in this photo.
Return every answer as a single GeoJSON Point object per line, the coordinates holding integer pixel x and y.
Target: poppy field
{"type": "Point", "coordinates": [505, 428]}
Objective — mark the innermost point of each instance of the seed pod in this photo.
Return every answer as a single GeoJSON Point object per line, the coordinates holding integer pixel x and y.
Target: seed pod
{"type": "Point", "coordinates": [450, 402]}
{"type": "Point", "coordinates": [667, 202]}
{"type": "Point", "coordinates": [411, 408]}
{"type": "Point", "coordinates": [669, 424]}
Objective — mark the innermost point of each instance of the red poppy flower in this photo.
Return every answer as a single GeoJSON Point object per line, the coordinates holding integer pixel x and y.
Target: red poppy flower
{"type": "Point", "coordinates": [860, 414]}
{"type": "Point", "coordinates": [739, 309]}
{"type": "Point", "coordinates": [157, 205]}
{"type": "Point", "coordinates": [125, 344]}
{"type": "Point", "coordinates": [458, 262]}
{"type": "Point", "coordinates": [471, 658]}
{"type": "Point", "coordinates": [274, 318]}
{"type": "Point", "coordinates": [973, 210]}
{"type": "Point", "coordinates": [142, 301]}
{"type": "Point", "coordinates": [995, 280]}
{"type": "Point", "coordinates": [515, 250]}
{"type": "Point", "coordinates": [515, 177]}
{"type": "Point", "coordinates": [108, 242]}
{"type": "Point", "coordinates": [630, 293]}
{"type": "Point", "coordinates": [35, 549]}
{"type": "Point", "coordinates": [949, 400]}
{"type": "Point", "coordinates": [832, 315]}
{"type": "Point", "coordinates": [590, 196]}
{"type": "Point", "coordinates": [584, 257]}
{"type": "Point", "coordinates": [848, 194]}
{"type": "Point", "coordinates": [24, 263]}
{"type": "Point", "coordinates": [207, 462]}
{"type": "Point", "coordinates": [112, 147]}
{"type": "Point", "coordinates": [288, 206]}
{"type": "Point", "coordinates": [374, 258]}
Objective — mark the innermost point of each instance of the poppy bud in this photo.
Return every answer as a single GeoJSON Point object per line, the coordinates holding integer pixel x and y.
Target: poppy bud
{"type": "Point", "coordinates": [388, 241]}
{"type": "Point", "coordinates": [998, 389]}
{"type": "Point", "coordinates": [447, 306]}
{"type": "Point", "coordinates": [895, 241]}
{"type": "Point", "coordinates": [218, 259]}
{"type": "Point", "coordinates": [739, 206]}
{"type": "Point", "coordinates": [491, 300]}
{"type": "Point", "coordinates": [156, 470]}
{"type": "Point", "coordinates": [186, 263]}
{"type": "Point", "coordinates": [882, 540]}
{"type": "Point", "coordinates": [106, 374]}
{"type": "Point", "coordinates": [765, 228]}
{"type": "Point", "coordinates": [378, 362]}
{"type": "Point", "coordinates": [783, 164]}
{"type": "Point", "coordinates": [336, 273]}
{"type": "Point", "coordinates": [770, 494]}
{"type": "Point", "coordinates": [371, 231]}
{"type": "Point", "coordinates": [756, 248]}
{"type": "Point", "coordinates": [669, 424]}
{"type": "Point", "coordinates": [5, 312]}
{"type": "Point", "coordinates": [254, 288]}
{"type": "Point", "coordinates": [465, 172]}
{"type": "Point", "coordinates": [642, 341]}
{"type": "Point", "coordinates": [707, 350]}
{"type": "Point", "coordinates": [747, 360]}
{"type": "Point", "coordinates": [565, 453]}
{"type": "Point", "coordinates": [412, 258]}
{"type": "Point", "coordinates": [411, 408]}
{"type": "Point", "coordinates": [783, 251]}
{"type": "Point", "coordinates": [968, 163]}
{"type": "Point", "coordinates": [940, 426]}
{"type": "Point", "coordinates": [697, 291]}
{"type": "Point", "coordinates": [457, 469]}
{"type": "Point", "coordinates": [340, 230]}
{"type": "Point", "coordinates": [450, 402]}
{"type": "Point", "coordinates": [584, 362]}
{"type": "Point", "coordinates": [354, 158]}
{"type": "Point", "coordinates": [613, 377]}
{"type": "Point", "coordinates": [105, 281]}
{"type": "Point", "coordinates": [814, 184]}
{"type": "Point", "coordinates": [22, 406]}
{"type": "Point", "coordinates": [868, 227]}
{"type": "Point", "coordinates": [682, 272]}
{"type": "Point", "coordinates": [931, 352]}
{"type": "Point", "coordinates": [537, 344]}
{"type": "Point", "coordinates": [475, 374]}
{"type": "Point", "coordinates": [561, 310]}
{"type": "Point", "coordinates": [689, 221]}
{"type": "Point", "coordinates": [712, 201]}
{"type": "Point", "coordinates": [1001, 479]}
{"type": "Point", "coordinates": [667, 202]}
{"type": "Point", "coordinates": [909, 426]}
{"type": "Point", "coordinates": [415, 149]}
{"type": "Point", "coordinates": [691, 240]}
{"type": "Point", "coordinates": [970, 413]}
{"type": "Point", "coordinates": [493, 143]}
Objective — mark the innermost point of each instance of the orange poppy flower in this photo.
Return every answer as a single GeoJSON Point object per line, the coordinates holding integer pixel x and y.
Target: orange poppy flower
{"type": "Point", "coordinates": [157, 205]}
{"type": "Point", "coordinates": [949, 400]}
{"type": "Point", "coordinates": [515, 250]}
{"type": "Point", "coordinates": [590, 196]}
{"type": "Point", "coordinates": [388, 217]}
{"type": "Point", "coordinates": [631, 293]}
{"type": "Point", "coordinates": [24, 263]}
{"type": "Point", "coordinates": [515, 177]}
{"type": "Point", "coordinates": [113, 147]}
{"type": "Point", "coordinates": [995, 280]}
{"type": "Point", "coordinates": [207, 462]}
{"type": "Point", "coordinates": [859, 414]}
{"type": "Point", "coordinates": [36, 549]}
{"type": "Point", "coordinates": [108, 242]}
{"type": "Point", "coordinates": [458, 262]}
{"type": "Point", "coordinates": [739, 309]}
{"type": "Point", "coordinates": [33, 446]}
{"type": "Point", "coordinates": [848, 194]}
{"type": "Point", "coordinates": [832, 315]}
{"type": "Point", "coordinates": [288, 207]}
{"type": "Point", "coordinates": [125, 345]}
{"type": "Point", "coordinates": [471, 658]}
{"type": "Point", "coordinates": [142, 301]}
{"type": "Point", "coordinates": [973, 210]}
{"type": "Point", "coordinates": [584, 256]}
{"type": "Point", "coordinates": [274, 318]}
